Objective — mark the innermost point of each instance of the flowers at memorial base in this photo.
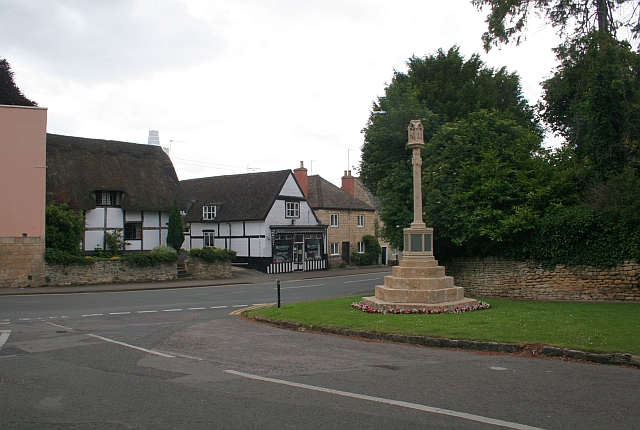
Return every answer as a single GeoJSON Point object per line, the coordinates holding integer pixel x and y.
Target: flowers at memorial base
{"type": "Point", "coordinates": [454, 310]}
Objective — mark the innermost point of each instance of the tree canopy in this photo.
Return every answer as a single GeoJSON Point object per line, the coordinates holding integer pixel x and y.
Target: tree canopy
{"type": "Point", "coordinates": [574, 19]}
{"type": "Point", "coordinates": [439, 89]}
{"type": "Point", "coordinates": [10, 94]}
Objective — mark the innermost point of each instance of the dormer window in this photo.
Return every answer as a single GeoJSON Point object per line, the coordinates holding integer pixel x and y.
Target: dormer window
{"type": "Point", "coordinates": [108, 198]}
{"type": "Point", "coordinates": [208, 212]}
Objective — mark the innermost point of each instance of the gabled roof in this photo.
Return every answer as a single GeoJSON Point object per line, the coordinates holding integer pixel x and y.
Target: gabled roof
{"type": "Point", "coordinates": [246, 197]}
{"type": "Point", "coordinates": [324, 195]}
{"type": "Point", "coordinates": [77, 167]}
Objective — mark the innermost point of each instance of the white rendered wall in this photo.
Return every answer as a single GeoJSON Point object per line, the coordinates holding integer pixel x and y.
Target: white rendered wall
{"type": "Point", "coordinates": [94, 218]}
{"type": "Point", "coordinates": [93, 239]}
{"type": "Point", "coordinates": [151, 219]}
{"type": "Point", "coordinates": [291, 188]}
{"type": "Point", "coordinates": [115, 218]}
{"type": "Point", "coordinates": [133, 216]}
{"type": "Point", "coordinates": [150, 238]}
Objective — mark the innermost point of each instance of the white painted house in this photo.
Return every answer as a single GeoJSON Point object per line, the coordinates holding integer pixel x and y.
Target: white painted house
{"type": "Point", "coordinates": [118, 186]}
{"type": "Point", "coordinates": [264, 217]}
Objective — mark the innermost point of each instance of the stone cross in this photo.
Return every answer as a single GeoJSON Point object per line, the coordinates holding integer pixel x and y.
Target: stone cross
{"type": "Point", "coordinates": [416, 142]}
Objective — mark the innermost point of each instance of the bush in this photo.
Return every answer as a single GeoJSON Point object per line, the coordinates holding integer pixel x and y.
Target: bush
{"type": "Point", "coordinates": [64, 228]}
{"type": "Point", "coordinates": [372, 251]}
{"type": "Point", "coordinates": [213, 254]}
{"type": "Point", "coordinates": [159, 254]}
{"type": "Point", "coordinates": [57, 256]}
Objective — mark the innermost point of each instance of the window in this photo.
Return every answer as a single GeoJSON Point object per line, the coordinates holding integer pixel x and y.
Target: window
{"type": "Point", "coordinates": [335, 248]}
{"type": "Point", "coordinates": [293, 210]}
{"type": "Point", "coordinates": [208, 237]}
{"type": "Point", "coordinates": [208, 212]}
{"type": "Point", "coordinates": [132, 231]}
{"type": "Point", "coordinates": [361, 247]}
{"type": "Point", "coordinates": [360, 220]}
{"type": "Point", "coordinates": [108, 198]}
{"type": "Point", "coordinates": [334, 220]}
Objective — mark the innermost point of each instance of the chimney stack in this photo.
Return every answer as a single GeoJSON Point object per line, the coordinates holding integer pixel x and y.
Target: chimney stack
{"type": "Point", "coordinates": [348, 183]}
{"type": "Point", "coordinates": [303, 180]}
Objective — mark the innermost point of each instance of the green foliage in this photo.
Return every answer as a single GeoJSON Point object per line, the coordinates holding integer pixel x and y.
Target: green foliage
{"type": "Point", "coordinates": [64, 228]}
{"type": "Point", "coordinates": [593, 101]}
{"type": "Point", "coordinates": [596, 327]}
{"type": "Point", "coordinates": [159, 254]}
{"type": "Point", "coordinates": [175, 234]}
{"type": "Point", "coordinates": [371, 253]}
{"type": "Point", "coordinates": [487, 180]}
{"type": "Point", "coordinates": [573, 18]}
{"type": "Point", "coordinates": [438, 89]}
{"type": "Point", "coordinates": [57, 256]}
{"type": "Point", "coordinates": [10, 94]}
{"type": "Point", "coordinates": [115, 242]}
{"type": "Point", "coordinates": [213, 254]}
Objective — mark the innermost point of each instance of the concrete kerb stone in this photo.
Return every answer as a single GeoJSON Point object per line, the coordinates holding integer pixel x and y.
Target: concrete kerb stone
{"type": "Point", "coordinates": [435, 342]}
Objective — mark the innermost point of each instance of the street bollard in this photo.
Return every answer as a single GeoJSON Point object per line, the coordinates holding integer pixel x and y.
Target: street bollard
{"type": "Point", "coordinates": [278, 282]}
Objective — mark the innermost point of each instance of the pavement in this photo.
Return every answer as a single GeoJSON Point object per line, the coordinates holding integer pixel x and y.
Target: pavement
{"type": "Point", "coordinates": [239, 275]}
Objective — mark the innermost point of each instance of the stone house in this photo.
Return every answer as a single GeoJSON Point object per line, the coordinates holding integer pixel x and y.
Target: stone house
{"type": "Point", "coordinates": [118, 186]}
{"type": "Point", "coordinates": [264, 217]}
{"type": "Point", "coordinates": [22, 195]}
{"type": "Point", "coordinates": [349, 218]}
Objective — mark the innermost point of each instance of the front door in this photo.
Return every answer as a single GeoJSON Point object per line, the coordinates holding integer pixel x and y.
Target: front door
{"type": "Point", "coordinates": [345, 252]}
{"type": "Point", "coordinates": [298, 252]}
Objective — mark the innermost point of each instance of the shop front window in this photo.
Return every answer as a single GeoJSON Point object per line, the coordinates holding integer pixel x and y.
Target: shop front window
{"type": "Point", "coordinates": [282, 250]}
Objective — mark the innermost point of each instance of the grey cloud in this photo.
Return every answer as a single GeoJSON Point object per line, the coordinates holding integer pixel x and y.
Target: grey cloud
{"type": "Point", "coordinates": [105, 40]}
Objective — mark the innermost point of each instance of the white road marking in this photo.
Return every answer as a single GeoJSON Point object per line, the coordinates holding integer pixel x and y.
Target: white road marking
{"type": "Point", "coordinates": [361, 280]}
{"type": "Point", "coordinates": [5, 322]}
{"type": "Point", "coordinates": [25, 319]}
{"type": "Point", "coordinates": [431, 409]}
{"type": "Point", "coordinates": [146, 312]}
{"type": "Point", "coordinates": [196, 309]}
{"type": "Point", "coordinates": [301, 286]}
{"type": "Point", "coordinates": [92, 315]}
{"type": "Point", "coordinates": [171, 310]}
{"type": "Point", "coordinates": [185, 356]}
{"type": "Point", "coordinates": [219, 307]}
{"type": "Point", "coordinates": [161, 354]}
{"type": "Point", "coordinates": [498, 368]}
{"type": "Point", "coordinates": [239, 306]}
{"type": "Point", "coordinates": [61, 326]}
{"type": "Point", "coordinates": [119, 313]}
{"type": "Point", "coordinates": [4, 336]}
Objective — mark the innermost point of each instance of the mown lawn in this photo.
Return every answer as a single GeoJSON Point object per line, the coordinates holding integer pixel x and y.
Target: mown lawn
{"type": "Point", "coordinates": [593, 327]}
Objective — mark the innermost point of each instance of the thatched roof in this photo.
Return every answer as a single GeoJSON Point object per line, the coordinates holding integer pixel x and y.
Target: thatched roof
{"type": "Point", "coordinates": [246, 197]}
{"type": "Point", "coordinates": [324, 195]}
{"type": "Point", "coordinates": [77, 167]}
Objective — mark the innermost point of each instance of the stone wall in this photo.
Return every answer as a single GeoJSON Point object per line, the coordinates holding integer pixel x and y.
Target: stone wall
{"type": "Point", "coordinates": [108, 272]}
{"type": "Point", "coordinates": [21, 262]}
{"type": "Point", "coordinates": [201, 269]}
{"type": "Point", "coordinates": [492, 277]}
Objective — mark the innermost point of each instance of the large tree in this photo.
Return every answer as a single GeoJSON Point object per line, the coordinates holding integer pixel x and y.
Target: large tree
{"type": "Point", "coordinates": [574, 19]}
{"type": "Point", "coordinates": [593, 101]}
{"type": "Point", "coordinates": [10, 94]}
{"type": "Point", "coordinates": [438, 89]}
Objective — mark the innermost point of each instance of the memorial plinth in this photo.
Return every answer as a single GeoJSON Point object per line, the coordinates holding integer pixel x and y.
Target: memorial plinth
{"type": "Point", "coordinates": [418, 282]}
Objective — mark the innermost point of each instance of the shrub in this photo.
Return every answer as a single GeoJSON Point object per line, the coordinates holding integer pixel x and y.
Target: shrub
{"type": "Point", "coordinates": [213, 254]}
{"type": "Point", "coordinates": [64, 228]}
{"type": "Point", "coordinates": [57, 256]}
{"type": "Point", "coordinates": [159, 254]}
{"type": "Point", "coordinates": [372, 251]}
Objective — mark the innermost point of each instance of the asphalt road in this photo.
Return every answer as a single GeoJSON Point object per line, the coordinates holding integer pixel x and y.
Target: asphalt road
{"type": "Point", "coordinates": [177, 359]}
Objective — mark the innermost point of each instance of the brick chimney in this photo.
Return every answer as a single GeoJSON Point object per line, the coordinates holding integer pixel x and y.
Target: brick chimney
{"type": "Point", "coordinates": [348, 183]}
{"type": "Point", "coordinates": [301, 176]}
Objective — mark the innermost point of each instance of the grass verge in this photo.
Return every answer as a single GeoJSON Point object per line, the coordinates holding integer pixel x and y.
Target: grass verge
{"type": "Point", "coordinates": [585, 326]}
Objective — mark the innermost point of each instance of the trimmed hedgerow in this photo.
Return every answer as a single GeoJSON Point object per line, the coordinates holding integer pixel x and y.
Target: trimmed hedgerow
{"type": "Point", "coordinates": [159, 254]}
{"type": "Point", "coordinates": [213, 254]}
{"type": "Point", "coordinates": [58, 256]}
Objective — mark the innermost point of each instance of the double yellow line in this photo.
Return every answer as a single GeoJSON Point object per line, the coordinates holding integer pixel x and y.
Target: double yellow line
{"type": "Point", "coordinates": [248, 308]}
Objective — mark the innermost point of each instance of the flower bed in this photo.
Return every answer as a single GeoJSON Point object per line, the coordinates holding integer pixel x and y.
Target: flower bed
{"type": "Point", "coordinates": [454, 310]}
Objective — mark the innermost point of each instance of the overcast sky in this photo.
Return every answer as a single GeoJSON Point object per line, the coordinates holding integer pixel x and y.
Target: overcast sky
{"type": "Point", "coordinates": [238, 85]}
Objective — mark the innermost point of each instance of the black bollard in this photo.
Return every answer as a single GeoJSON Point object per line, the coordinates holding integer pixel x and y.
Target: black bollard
{"type": "Point", "coordinates": [278, 282]}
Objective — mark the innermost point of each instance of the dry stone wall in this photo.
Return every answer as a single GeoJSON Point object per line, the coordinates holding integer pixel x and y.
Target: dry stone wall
{"type": "Point", "coordinates": [493, 277]}
{"type": "Point", "coordinates": [198, 268]}
{"type": "Point", "coordinates": [108, 272]}
{"type": "Point", "coordinates": [21, 262]}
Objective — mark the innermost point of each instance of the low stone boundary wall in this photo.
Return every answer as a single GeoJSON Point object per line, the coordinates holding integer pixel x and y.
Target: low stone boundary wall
{"type": "Point", "coordinates": [493, 277]}
{"type": "Point", "coordinates": [108, 272]}
{"type": "Point", "coordinates": [198, 268]}
{"type": "Point", "coordinates": [21, 262]}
